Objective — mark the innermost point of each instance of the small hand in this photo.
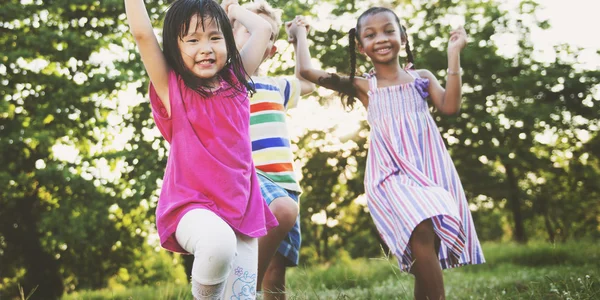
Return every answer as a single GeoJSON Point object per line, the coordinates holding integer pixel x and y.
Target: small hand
{"type": "Point", "coordinates": [458, 39]}
{"type": "Point", "coordinates": [301, 21]}
{"type": "Point", "coordinates": [226, 5]}
{"type": "Point", "coordinates": [295, 26]}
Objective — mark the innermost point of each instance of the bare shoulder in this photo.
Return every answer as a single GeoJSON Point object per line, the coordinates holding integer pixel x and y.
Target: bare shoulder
{"type": "Point", "coordinates": [424, 73]}
{"type": "Point", "coordinates": [361, 84]}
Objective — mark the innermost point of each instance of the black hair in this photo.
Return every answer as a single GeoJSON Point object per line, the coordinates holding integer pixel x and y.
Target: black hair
{"type": "Point", "coordinates": [347, 89]}
{"type": "Point", "coordinates": [176, 25]}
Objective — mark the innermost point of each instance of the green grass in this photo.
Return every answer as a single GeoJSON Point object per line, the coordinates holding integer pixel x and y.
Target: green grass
{"type": "Point", "coordinates": [535, 271]}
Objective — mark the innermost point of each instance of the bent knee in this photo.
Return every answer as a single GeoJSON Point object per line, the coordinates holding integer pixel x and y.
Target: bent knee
{"type": "Point", "coordinates": [423, 235]}
{"type": "Point", "coordinates": [213, 259]}
{"type": "Point", "coordinates": [285, 210]}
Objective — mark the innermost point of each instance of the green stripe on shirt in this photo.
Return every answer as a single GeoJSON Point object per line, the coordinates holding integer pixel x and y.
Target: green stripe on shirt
{"type": "Point", "coordinates": [280, 178]}
{"type": "Point", "coordinates": [267, 118]}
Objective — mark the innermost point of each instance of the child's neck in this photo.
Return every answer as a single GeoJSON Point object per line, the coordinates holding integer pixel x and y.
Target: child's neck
{"type": "Point", "coordinates": [389, 72]}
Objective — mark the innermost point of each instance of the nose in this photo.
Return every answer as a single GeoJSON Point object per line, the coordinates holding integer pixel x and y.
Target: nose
{"type": "Point", "coordinates": [381, 38]}
{"type": "Point", "coordinates": [205, 48]}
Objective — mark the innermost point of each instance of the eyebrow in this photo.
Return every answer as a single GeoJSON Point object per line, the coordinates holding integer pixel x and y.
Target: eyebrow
{"type": "Point", "coordinates": [384, 25]}
{"type": "Point", "coordinates": [214, 32]}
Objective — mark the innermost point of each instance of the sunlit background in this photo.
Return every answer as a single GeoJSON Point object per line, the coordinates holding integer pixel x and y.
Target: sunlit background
{"type": "Point", "coordinates": [82, 160]}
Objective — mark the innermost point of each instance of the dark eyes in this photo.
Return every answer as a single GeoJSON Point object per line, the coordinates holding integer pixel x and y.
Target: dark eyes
{"type": "Point", "coordinates": [370, 35]}
{"type": "Point", "coordinates": [213, 38]}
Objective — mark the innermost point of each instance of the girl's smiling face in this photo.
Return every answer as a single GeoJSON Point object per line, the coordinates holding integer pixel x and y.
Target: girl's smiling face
{"type": "Point", "coordinates": [380, 37]}
{"type": "Point", "coordinates": [203, 49]}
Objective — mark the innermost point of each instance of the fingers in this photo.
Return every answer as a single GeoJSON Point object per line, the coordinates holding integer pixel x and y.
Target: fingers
{"type": "Point", "coordinates": [301, 21]}
{"type": "Point", "coordinates": [291, 27]}
{"type": "Point", "coordinates": [227, 3]}
{"type": "Point", "coordinates": [458, 34]}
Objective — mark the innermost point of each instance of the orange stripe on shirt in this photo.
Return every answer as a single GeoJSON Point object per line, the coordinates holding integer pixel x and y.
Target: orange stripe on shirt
{"type": "Point", "coordinates": [279, 167]}
{"type": "Point", "coordinates": [265, 106]}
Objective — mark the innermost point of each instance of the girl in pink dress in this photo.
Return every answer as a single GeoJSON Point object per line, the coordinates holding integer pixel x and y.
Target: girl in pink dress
{"type": "Point", "coordinates": [210, 203]}
{"type": "Point", "coordinates": [413, 190]}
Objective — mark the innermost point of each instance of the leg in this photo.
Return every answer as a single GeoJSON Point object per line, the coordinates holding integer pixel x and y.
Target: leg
{"type": "Point", "coordinates": [274, 280]}
{"type": "Point", "coordinates": [241, 283]}
{"type": "Point", "coordinates": [429, 281]}
{"type": "Point", "coordinates": [286, 211]}
{"type": "Point", "coordinates": [213, 244]}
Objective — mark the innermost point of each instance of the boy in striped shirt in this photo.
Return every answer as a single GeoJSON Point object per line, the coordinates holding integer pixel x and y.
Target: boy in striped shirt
{"type": "Point", "coordinates": [272, 154]}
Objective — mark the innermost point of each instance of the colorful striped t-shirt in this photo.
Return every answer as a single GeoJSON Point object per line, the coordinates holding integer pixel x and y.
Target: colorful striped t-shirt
{"type": "Point", "coordinates": [268, 129]}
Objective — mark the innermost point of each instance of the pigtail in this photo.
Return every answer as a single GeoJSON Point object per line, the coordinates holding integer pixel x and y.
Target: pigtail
{"type": "Point", "coordinates": [352, 50]}
{"type": "Point", "coordinates": [409, 54]}
{"type": "Point", "coordinates": [351, 97]}
{"type": "Point", "coordinates": [345, 87]}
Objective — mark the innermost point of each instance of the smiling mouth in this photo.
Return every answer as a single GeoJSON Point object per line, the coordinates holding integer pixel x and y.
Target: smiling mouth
{"type": "Point", "coordinates": [206, 62]}
{"type": "Point", "coordinates": [383, 50]}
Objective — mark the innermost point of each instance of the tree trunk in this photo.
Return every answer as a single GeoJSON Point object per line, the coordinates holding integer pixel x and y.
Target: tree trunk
{"type": "Point", "coordinates": [514, 202]}
{"type": "Point", "coordinates": [42, 270]}
{"type": "Point", "coordinates": [549, 228]}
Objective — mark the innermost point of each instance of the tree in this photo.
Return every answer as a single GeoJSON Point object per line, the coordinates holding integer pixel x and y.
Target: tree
{"type": "Point", "coordinates": [510, 103]}
{"type": "Point", "coordinates": [66, 220]}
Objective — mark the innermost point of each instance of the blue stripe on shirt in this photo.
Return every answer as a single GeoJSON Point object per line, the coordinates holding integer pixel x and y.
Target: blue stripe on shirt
{"type": "Point", "coordinates": [264, 86]}
{"type": "Point", "coordinates": [286, 94]}
{"type": "Point", "coordinates": [269, 143]}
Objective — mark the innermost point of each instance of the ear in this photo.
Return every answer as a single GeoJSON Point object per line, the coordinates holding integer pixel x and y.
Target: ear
{"type": "Point", "coordinates": [273, 51]}
{"type": "Point", "coordinates": [360, 48]}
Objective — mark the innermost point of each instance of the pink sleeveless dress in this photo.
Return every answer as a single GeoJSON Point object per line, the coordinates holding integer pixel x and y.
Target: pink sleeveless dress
{"type": "Point", "coordinates": [410, 176]}
{"type": "Point", "coordinates": [210, 161]}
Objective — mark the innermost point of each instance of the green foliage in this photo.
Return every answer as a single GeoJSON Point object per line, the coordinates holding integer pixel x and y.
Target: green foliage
{"type": "Point", "coordinates": [519, 143]}
{"type": "Point", "coordinates": [81, 220]}
{"type": "Point", "coordinates": [507, 275]}
{"type": "Point", "coordinates": [65, 223]}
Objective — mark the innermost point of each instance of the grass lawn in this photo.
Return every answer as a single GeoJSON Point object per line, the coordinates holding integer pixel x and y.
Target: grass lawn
{"type": "Point", "coordinates": [535, 271]}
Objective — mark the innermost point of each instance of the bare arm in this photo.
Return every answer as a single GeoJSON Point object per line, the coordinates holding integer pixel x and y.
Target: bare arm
{"type": "Point", "coordinates": [360, 86]}
{"type": "Point", "coordinates": [448, 100]}
{"type": "Point", "coordinates": [342, 84]}
{"type": "Point", "coordinates": [260, 34]}
{"type": "Point", "coordinates": [150, 52]}
{"type": "Point", "coordinates": [297, 32]}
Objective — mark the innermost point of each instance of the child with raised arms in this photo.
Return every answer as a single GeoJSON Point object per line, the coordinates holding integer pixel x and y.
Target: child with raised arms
{"type": "Point", "coordinates": [272, 154]}
{"type": "Point", "coordinates": [414, 193]}
{"type": "Point", "coordinates": [210, 203]}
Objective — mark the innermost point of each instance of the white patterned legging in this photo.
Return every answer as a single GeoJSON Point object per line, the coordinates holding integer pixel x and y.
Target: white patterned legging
{"type": "Point", "coordinates": [225, 263]}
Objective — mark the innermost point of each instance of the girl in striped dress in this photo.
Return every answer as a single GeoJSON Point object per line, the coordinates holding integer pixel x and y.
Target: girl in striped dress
{"type": "Point", "coordinates": [414, 192]}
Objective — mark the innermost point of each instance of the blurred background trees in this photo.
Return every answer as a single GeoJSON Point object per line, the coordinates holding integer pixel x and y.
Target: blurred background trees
{"type": "Point", "coordinates": [82, 161]}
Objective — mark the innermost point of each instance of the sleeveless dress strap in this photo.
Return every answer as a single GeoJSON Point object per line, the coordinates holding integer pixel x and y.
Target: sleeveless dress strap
{"type": "Point", "coordinates": [411, 72]}
{"type": "Point", "coordinates": [372, 83]}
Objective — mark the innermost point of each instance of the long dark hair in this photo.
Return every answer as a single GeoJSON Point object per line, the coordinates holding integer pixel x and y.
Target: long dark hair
{"type": "Point", "coordinates": [347, 89]}
{"type": "Point", "coordinates": [176, 25]}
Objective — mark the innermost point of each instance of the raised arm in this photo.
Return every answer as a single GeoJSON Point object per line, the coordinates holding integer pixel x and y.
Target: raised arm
{"type": "Point", "coordinates": [260, 34]}
{"type": "Point", "coordinates": [150, 52]}
{"type": "Point", "coordinates": [342, 84]}
{"type": "Point", "coordinates": [297, 33]}
{"type": "Point", "coordinates": [359, 87]}
{"type": "Point", "coordinates": [448, 100]}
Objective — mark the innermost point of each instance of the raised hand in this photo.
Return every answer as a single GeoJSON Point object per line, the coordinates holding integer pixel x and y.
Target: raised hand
{"type": "Point", "coordinates": [292, 28]}
{"type": "Point", "coordinates": [458, 40]}
{"type": "Point", "coordinates": [226, 4]}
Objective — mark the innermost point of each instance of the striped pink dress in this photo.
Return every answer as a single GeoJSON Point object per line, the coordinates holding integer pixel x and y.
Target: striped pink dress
{"type": "Point", "coordinates": [410, 176]}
